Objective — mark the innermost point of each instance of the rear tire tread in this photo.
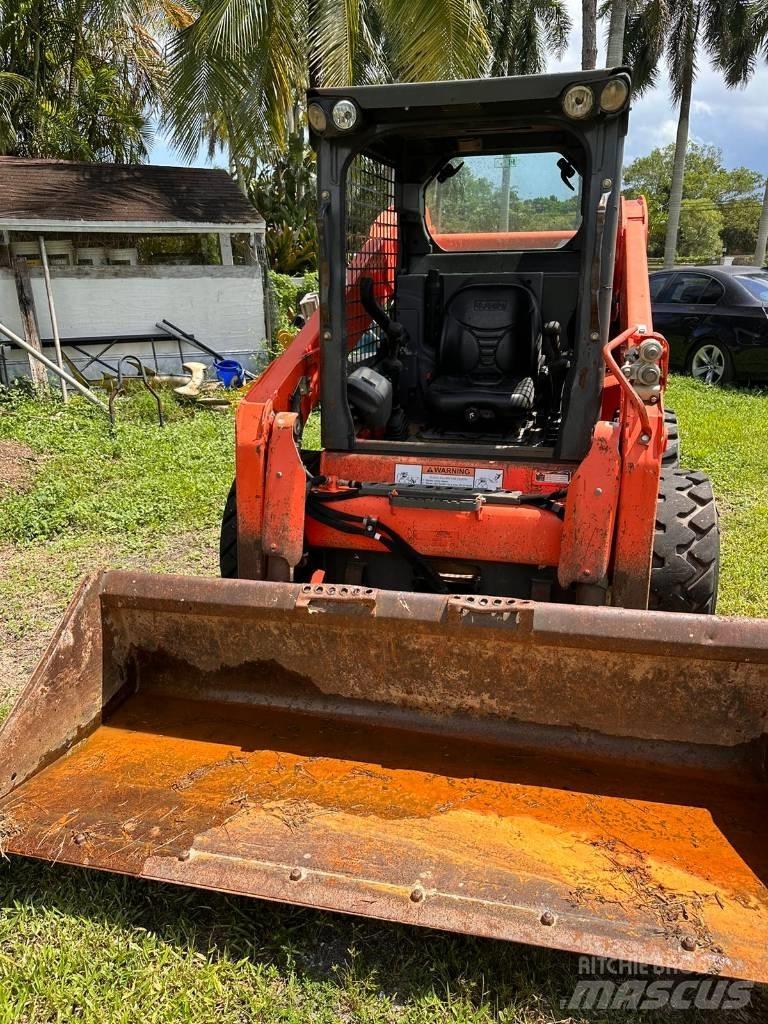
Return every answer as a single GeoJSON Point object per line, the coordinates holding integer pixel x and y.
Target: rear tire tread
{"type": "Point", "coordinates": [686, 551]}
{"type": "Point", "coordinates": [671, 456]}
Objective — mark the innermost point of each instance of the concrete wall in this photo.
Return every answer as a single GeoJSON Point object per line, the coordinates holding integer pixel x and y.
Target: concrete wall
{"type": "Point", "coordinates": [223, 306]}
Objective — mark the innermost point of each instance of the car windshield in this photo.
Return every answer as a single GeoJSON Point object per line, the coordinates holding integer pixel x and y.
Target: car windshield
{"type": "Point", "coordinates": [757, 284]}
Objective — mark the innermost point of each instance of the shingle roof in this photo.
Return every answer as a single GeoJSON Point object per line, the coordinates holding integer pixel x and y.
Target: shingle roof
{"type": "Point", "coordinates": [55, 191]}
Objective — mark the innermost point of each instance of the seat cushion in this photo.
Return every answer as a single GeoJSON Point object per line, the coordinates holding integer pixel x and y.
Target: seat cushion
{"type": "Point", "coordinates": [508, 398]}
{"type": "Point", "coordinates": [488, 355]}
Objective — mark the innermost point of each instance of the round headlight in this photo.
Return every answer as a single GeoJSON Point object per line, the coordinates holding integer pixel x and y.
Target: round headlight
{"type": "Point", "coordinates": [578, 101]}
{"type": "Point", "coordinates": [614, 95]}
{"type": "Point", "coordinates": [316, 117]}
{"type": "Point", "coordinates": [344, 115]}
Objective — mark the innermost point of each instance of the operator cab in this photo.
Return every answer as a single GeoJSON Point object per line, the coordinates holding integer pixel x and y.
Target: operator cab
{"type": "Point", "coordinates": [467, 241]}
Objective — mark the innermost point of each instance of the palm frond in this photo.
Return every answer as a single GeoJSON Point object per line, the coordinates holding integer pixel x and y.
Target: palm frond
{"type": "Point", "coordinates": [335, 37]}
{"type": "Point", "coordinates": [435, 39]}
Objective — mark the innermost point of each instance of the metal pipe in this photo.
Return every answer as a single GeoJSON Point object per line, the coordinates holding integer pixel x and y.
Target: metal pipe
{"type": "Point", "coordinates": [50, 365]}
{"type": "Point", "coordinates": [52, 311]}
{"type": "Point", "coordinates": [176, 332]}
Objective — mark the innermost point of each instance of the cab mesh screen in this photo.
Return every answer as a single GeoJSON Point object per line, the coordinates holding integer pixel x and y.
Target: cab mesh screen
{"type": "Point", "coordinates": [371, 249]}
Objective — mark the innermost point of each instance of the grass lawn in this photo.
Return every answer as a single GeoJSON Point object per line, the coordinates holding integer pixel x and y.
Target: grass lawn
{"type": "Point", "coordinates": [95, 948]}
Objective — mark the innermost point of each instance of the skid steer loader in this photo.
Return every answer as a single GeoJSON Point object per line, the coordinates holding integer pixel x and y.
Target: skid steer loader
{"type": "Point", "coordinates": [448, 681]}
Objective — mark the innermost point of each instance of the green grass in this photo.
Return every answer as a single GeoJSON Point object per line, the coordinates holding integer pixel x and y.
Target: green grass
{"type": "Point", "coordinates": [725, 433]}
{"type": "Point", "coordinates": [138, 496]}
{"type": "Point", "coordinates": [136, 479]}
{"type": "Point", "coordinates": [96, 948]}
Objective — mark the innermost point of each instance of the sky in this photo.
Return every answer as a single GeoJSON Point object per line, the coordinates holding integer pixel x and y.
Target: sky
{"type": "Point", "coordinates": [734, 120]}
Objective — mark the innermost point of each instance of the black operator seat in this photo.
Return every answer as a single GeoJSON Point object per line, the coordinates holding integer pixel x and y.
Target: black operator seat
{"type": "Point", "coordinates": [489, 354]}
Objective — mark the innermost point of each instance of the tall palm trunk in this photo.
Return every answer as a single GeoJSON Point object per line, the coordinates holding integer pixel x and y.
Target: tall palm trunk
{"type": "Point", "coordinates": [615, 55]}
{"type": "Point", "coordinates": [588, 34]}
{"type": "Point", "coordinates": [762, 233]}
{"type": "Point", "coordinates": [678, 168]}
{"type": "Point", "coordinates": [236, 166]}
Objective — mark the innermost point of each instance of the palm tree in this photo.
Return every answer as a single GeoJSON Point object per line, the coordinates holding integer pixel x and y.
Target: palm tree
{"type": "Point", "coordinates": [747, 39]}
{"type": "Point", "coordinates": [12, 88]}
{"type": "Point", "coordinates": [616, 29]}
{"type": "Point", "coordinates": [523, 34]}
{"type": "Point", "coordinates": [238, 71]}
{"type": "Point", "coordinates": [588, 34]}
{"type": "Point", "coordinates": [239, 68]}
{"type": "Point", "coordinates": [81, 78]}
{"type": "Point", "coordinates": [679, 30]}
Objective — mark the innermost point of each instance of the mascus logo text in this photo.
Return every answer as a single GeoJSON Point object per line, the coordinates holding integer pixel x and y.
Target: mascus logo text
{"type": "Point", "coordinates": [490, 304]}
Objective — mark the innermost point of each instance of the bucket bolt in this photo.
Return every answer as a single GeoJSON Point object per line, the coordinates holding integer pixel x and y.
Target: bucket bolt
{"type": "Point", "coordinates": [688, 942]}
{"type": "Point", "coordinates": [547, 918]}
{"type": "Point", "coordinates": [296, 875]}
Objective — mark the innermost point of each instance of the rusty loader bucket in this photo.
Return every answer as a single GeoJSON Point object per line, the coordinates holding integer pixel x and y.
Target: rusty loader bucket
{"type": "Point", "coordinates": [585, 778]}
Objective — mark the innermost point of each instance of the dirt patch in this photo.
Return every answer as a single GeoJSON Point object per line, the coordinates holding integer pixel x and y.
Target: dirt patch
{"type": "Point", "coordinates": [18, 466]}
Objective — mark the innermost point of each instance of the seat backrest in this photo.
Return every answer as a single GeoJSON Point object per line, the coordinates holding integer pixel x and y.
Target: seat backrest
{"type": "Point", "coordinates": [490, 331]}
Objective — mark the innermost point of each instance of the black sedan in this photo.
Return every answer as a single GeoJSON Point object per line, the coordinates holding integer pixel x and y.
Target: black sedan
{"type": "Point", "coordinates": [715, 320]}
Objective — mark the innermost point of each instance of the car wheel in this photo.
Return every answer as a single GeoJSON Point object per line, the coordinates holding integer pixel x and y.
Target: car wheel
{"type": "Point", "coordinates": [710, 362]}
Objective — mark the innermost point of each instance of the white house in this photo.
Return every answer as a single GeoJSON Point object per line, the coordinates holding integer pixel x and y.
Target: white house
{"type": "Point", "coordinates": [129, 246]}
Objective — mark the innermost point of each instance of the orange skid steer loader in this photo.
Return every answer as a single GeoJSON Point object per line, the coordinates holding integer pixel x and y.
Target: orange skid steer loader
{"type": "Point", "coordinates": [462, 670]}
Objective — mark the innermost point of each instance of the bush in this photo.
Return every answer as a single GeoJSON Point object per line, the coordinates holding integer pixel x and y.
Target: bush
{"type": "Point", "coordinates": [283, 191]}
{"type": "Point", "coordinates": [287, 291]}
{"type": "Point", "coordinates": [700, 227]}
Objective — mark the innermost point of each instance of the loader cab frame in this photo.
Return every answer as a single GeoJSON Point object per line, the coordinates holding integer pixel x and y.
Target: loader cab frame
{"type": "Point", "coordinates": [476, 341]}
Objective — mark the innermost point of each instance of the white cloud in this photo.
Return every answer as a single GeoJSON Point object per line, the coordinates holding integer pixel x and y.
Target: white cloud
{"type": "Point", "coordinates": [700, 107]}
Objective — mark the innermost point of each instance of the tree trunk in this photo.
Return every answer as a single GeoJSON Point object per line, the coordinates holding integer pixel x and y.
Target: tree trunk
{"type": "Point", "coordinates": [588, 34]}
{"type": "Point", "coordinates": [678, 170]}
{"type": "Point", "coordinates": [235, 160]}
{"type": "Point", "coordinates": [237, 163]}
{"type": "Point", "coordinates": [77, 21]}
{"type": "Point", "coordinates": [762, 233]}
{"type": "Point", "coordinates": [36, 50]}
{"type": "Point", "coordinates": [615, 54]}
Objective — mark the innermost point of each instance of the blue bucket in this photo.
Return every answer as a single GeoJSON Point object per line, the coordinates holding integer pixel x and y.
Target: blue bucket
{"type": "Point", "coordinates": [229, 372]}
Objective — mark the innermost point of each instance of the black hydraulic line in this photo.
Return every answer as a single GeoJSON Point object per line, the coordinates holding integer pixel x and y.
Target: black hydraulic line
{"type": "Point", "coordinates": [384, 535]}
{"type": "Point", "coordinates": [367, 526]}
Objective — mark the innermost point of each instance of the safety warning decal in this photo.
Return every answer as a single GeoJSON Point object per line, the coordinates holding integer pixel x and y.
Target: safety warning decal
{"type": "Point", "coordinates": [480, 479]}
